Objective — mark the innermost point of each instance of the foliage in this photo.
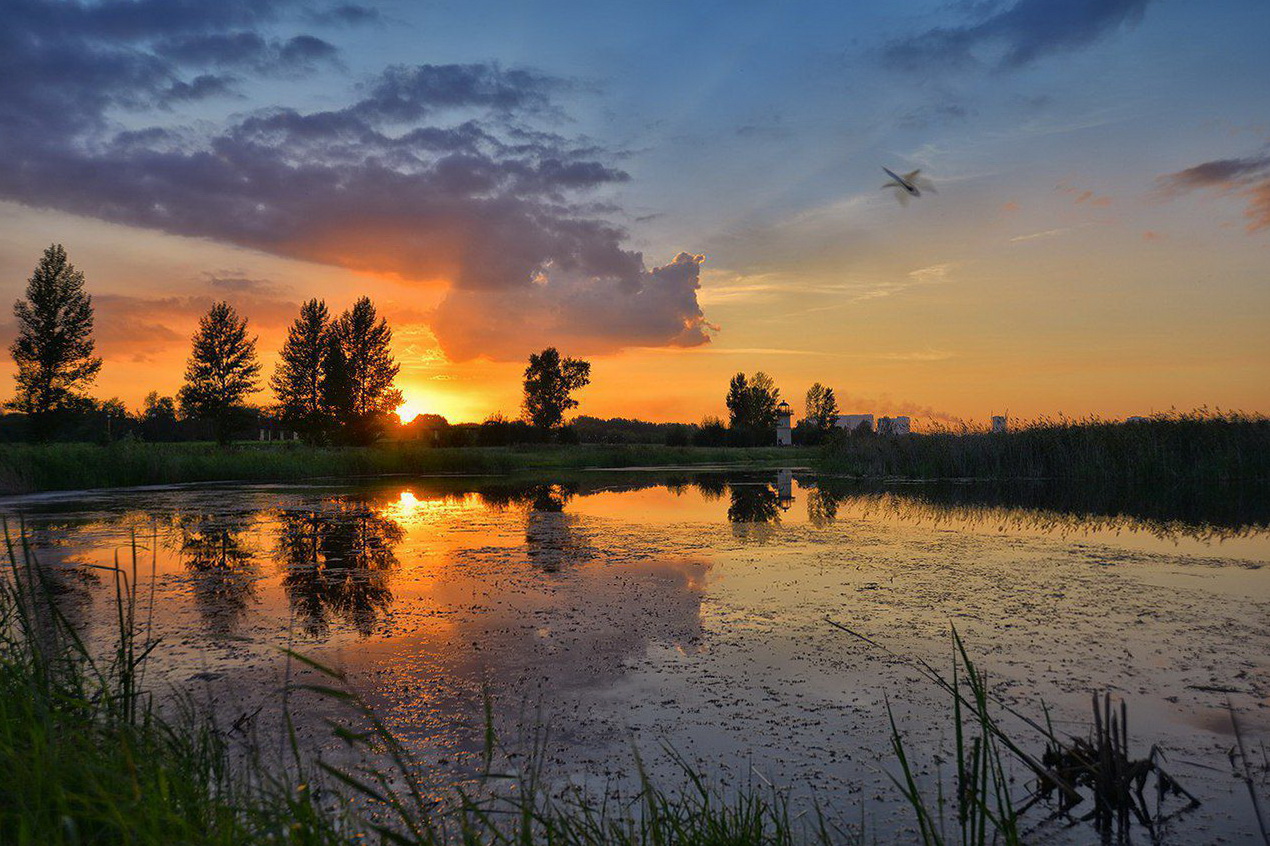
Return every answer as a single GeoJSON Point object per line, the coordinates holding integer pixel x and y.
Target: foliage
{"type": "Point", "coordinates": [549, 381]}
{"type": "Point", "coordinates": [822, 407]}
{"type": "Point", "coordinates": [752, 402]}
{"type": "Point", "coordinates": [221, 371]}
{"type": "Point", "coordinates": [297, 381]}
{"type": "Point", "coordinates": [360, 371]}
{"type": "Point", "coordinates": [54, 347]}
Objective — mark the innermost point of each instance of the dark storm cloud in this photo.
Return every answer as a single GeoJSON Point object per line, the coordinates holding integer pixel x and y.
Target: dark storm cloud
{"type": "Point", "coordinates": [1014, 36]}
{"type": "Point", "coordinates": [1247, 178]}
{"type": "Point", "coordinates": [386, 184]}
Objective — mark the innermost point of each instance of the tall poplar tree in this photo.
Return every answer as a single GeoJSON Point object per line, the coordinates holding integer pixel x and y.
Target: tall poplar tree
{"type": "Point", "coordinates": [221, 371]}
{"type": "Point", "coordinates": [54, 347]}
{"type": "Point", "coordinates": [297, 382]}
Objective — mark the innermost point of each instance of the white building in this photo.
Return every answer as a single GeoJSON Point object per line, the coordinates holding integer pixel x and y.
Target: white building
{"type": "Point", "coordinates": [784, 434]}
{"type": "Point", "coordinates": [851, 422]}
{"type": "Point", "coordinates": [1000, 423]}
{"type": "Point", "coordinates": [893, 426]}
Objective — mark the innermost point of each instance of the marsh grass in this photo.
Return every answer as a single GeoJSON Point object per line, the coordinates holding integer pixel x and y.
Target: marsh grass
{"type": "Point", "coordinates": [1175, 448]}
{"type": "Point", "coordinates": [87, 756]}
{"type": "Point", "coordinates": [25, 468]}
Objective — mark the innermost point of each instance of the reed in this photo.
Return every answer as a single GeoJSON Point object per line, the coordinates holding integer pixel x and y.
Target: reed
{"type": "Point", "coordinates": [1195, 447]}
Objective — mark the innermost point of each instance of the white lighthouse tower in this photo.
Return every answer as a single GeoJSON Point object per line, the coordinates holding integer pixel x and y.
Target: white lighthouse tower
{"type": "Point", "coordinates": [784, 435]}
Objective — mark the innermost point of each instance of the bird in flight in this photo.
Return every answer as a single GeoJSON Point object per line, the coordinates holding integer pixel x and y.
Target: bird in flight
{"type": "Point", "coordinates": [909, 185]}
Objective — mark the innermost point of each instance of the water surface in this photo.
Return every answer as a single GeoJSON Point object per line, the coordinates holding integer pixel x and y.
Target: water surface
{"type": "Point", "coordinates": [648, 610]}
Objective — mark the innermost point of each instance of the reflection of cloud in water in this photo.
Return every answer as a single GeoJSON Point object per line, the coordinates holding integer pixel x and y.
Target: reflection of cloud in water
{"type": "Point", "coordinates": [532, 642]}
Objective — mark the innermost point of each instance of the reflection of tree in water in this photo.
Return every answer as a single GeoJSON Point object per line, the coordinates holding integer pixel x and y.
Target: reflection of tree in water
{"type": "Point", "coordinates": [337, 563]}
{"type": "Point", "coordinates": [822, 508]}
{"type": "Point", "coordinates": [224, 578]}
{"type": "Point", "coordinates": [755, 511]}
{"type": "Point", "coordinates": [551, 536]}
{"type": "Point", "coordinates": [711, 487]}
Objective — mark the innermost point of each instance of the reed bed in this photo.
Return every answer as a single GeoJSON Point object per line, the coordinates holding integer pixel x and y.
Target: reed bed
{"type": "Point", "coordinates": [1198, 447]}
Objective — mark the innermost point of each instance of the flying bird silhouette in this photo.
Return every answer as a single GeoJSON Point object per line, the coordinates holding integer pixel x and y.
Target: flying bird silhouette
{"type": "Point", "coordinates": [909, 185]}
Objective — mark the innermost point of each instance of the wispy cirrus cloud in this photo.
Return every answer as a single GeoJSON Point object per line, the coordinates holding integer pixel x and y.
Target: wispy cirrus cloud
{"type": "Point", "coordinates": [1012, 37]}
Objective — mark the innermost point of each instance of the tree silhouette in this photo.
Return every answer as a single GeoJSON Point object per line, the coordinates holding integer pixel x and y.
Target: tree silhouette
{"type": "Point", "coordinates": [359, 372]}
{"type": "Point", "coordinates": [822, 407]}
{"type": "Point", "coordinates": [297, 382]}
{"type": "Point", "coordinates": [54, 347]}
{"type": "Point", "coordinates": [752, 402]}
{"type": "Point", "coordinates": [549, 380]}
{"type": "Point", "coordinates": [222, 369]}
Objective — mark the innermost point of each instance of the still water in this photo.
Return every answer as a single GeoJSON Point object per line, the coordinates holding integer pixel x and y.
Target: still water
{"type": "Point", "coordinates": [609, 614]}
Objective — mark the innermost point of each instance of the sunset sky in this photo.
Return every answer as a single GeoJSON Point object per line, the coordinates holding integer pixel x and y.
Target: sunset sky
{"type": "Point", "coordinates": [675, 191]}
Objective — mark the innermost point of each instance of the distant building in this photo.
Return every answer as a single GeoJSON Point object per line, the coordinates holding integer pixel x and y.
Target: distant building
{"type": "Point", "coordinates": [852, 422]}
{"type": "Point", "coordinates": [784, 435]}
{"type": "Point", "coordinates": [893, 426]}
{"type": "Point", "coordinates": [1000, 423]}
{"type": "Point", "coordinates": [1137, 418]}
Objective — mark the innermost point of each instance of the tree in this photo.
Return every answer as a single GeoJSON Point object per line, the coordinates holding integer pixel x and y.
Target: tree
{"type": "Point", "coordinates": [752, 401]}
{"type": "Point", "coordinates": [222, 369]}
{"type": "Point", "coordinates": [822, 407]}
{"type": "Point", "coordinates": [358, 383]}
{"type": "Point", "coordinates": [549, 380]}
{"type": "Point", "coordinates": [158, 418]}
{"type": "Point", "coordinates": [54, 347]}
{"type": "Point", "coordinates": [297, 382]}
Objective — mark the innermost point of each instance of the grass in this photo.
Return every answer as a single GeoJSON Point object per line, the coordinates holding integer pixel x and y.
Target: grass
{"type": "Point", "coordinates": [1198, 447]}
{"type": "Point", "coordinates": [27, 468]}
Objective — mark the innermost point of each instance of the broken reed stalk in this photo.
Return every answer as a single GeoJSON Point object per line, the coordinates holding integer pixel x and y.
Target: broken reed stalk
{"type": "Point", "coordinates": [1102, 765]}
{"type": "Point", "coordinates": [1247, 774]}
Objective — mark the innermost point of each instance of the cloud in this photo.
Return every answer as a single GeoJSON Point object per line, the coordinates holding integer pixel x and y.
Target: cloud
{"type": "Point", "coordinates": [428, 173]}
{"type": "Point", "coordinates": [1247, 178]}
{"type": "Point", "coordinates": [580, 313]}
{"type": "Point", "coordinates": [1015, 36]}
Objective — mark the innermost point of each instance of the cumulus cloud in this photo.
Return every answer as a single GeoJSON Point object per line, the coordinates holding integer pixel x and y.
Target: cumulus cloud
{"type": "Point", "coordinates": [428, 173]}
{"type": "Point", "coordinates": [585, 314]}
{"type": "Point", "coordinates": [1247, 178]}
{"type": "Point", "coordinates": [1014, 36]}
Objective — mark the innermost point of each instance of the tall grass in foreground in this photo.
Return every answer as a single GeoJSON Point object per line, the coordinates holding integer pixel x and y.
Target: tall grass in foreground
{"type": "Point", "coordinates": [25, 468]}
{"type": "Point", "coordinates": [1182, 448]}
{"type": "Point", "coordinates": [86, 756]}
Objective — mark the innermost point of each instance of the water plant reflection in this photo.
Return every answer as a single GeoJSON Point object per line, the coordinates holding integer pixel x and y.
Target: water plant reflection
{"type": "Point", "coordinates": [336, 561]}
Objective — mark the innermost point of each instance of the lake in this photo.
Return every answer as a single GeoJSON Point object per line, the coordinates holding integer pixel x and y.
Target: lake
{"type": "Point", "coordinates": [608, 614]}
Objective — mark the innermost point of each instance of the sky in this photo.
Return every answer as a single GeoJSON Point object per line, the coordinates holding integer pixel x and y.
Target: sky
{"type": "Point", "coordinates": [673, 191]}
